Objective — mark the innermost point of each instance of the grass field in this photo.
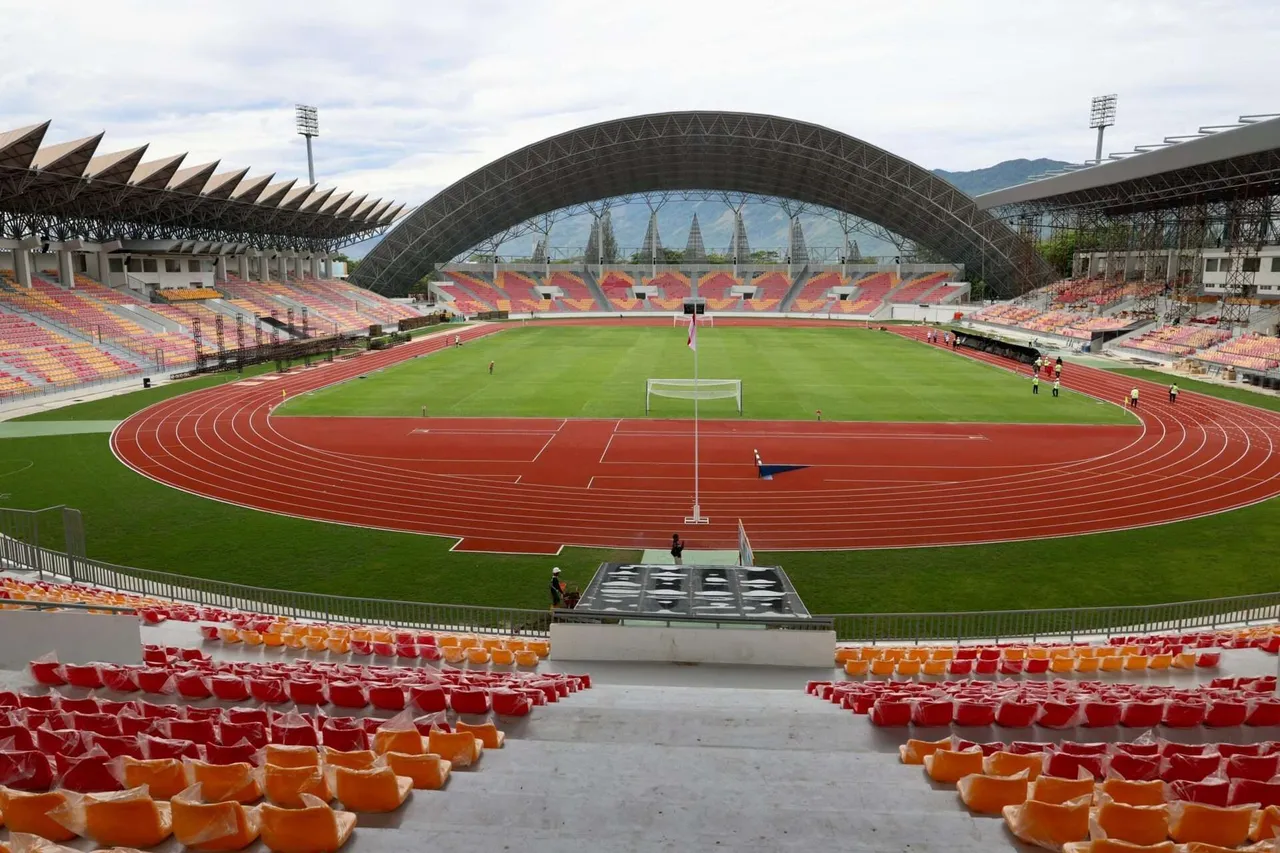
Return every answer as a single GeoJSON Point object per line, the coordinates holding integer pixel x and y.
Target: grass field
{"type": "Point", "coordinates": [786, 373]}
{"type": "Point", "coordinates": [132, 520]}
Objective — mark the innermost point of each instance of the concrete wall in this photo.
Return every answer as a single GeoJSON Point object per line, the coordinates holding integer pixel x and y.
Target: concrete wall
{"type": "Point", "coordinates": [756, 647]}
{"type": "Point", "coordinates": [930, 313]}
{"type": "Point", "coordinates": [76, 637]}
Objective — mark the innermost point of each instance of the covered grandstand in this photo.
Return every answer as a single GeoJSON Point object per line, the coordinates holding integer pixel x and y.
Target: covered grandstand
{"type": "Point", "coordinates": [114, 266]}
{"type": "Point", "coordinates": [710, 151]}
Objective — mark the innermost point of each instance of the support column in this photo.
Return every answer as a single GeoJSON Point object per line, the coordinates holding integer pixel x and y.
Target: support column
{"type": "Point", "coordinates": [22, 266]}
{"type": "Point", "coordinates": [104, 268]}
{"type": "Point", "coordinates": [264, 267]}
{"type": "Point", "coordinates": [326, 265]}
{"type": "Point", "coordinates": [66, 271]}
{"type": "Point", "coordinates": [220, 268]}
{"type": "Point", "coordinates": [315, 266]}
{"type": "Point", "coordinates": [243, 261]}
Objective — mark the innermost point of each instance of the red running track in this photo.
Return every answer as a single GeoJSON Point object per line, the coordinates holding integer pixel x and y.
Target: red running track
{"type": "Point", "coordinates": [533, 485]}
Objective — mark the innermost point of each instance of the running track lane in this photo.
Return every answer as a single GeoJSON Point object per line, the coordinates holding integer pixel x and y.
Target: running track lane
{"type": "Point", "coordinates": [1203, 456]}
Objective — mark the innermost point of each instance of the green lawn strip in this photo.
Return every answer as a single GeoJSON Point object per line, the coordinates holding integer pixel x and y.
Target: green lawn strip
{"type": "Point", "coordinates": [786, 373]}
{"type": "Point", "coordinates": [1226, 392]}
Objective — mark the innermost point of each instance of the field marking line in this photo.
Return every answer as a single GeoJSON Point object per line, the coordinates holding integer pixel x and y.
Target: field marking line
{"type": "Point", "coordinates": [608, 444]}
{"type": "Point", "coordinates": [548, 443]}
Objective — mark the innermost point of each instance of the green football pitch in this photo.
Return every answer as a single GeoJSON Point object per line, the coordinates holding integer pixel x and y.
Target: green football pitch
{"type": "Point", "coordinates": [786, 373]}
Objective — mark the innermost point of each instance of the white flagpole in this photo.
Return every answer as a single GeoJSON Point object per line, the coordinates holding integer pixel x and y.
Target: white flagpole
{"type": "Point", "coordinates": [697, 517]}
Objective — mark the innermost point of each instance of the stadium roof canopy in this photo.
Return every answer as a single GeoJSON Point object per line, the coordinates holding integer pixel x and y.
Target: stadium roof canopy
{"type": "Point", "coordinates": [1207, 167]}
{"type": "Point", "coordinates": [736, 152]}
{"type": "Point", "coordinates": [68, 190]}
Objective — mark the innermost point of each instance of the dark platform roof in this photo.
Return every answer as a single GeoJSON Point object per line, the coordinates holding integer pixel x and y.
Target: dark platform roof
{"type": "Point", "coordinates": [737, 152]}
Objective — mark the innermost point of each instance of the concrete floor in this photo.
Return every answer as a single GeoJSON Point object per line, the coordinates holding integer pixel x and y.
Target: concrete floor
{"type": "Point", "coordinates": [680, 758]}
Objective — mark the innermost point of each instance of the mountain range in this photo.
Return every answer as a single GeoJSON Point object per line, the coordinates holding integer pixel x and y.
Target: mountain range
{"type": "Point", "coordinates": [767, 225]}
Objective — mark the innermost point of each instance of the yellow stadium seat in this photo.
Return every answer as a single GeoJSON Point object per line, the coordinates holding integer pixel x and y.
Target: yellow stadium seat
{"type": "Point", "coordinates": [1049, 825]}
{"type": "Point", "coordinates": [908, 668]}
{"type": "Point", "coordinates": [285, 786]}
{"type": "Point", "coordinates": [361, 759]}
{"type": "Point", "coordinates": [1136, 663]}
{"type": "Point", "coordinates": [221, 783]}
{"type": "Point", "coordinates": [1088, 665]}
{"type": "Point", "coordinates": [487, 733]}
{"type": "Point", "coordinates": [455, 654]}
{"type": "Point", "coordinates": [428, 772]}
{"type": "Point", "coordinates": [526, 658]}
{"type": "Point", "coordinates": [917, 654]}
{"type": "Point", "coordinates": [312, 828]}
{"type": "Point", "coordinates": [847, 653]}
{"type": "Point", "coordinates": [213, 826]}
{"type": "Point", "coordinates": [1104, 651]}
{"type": "Point", "coordinates": [1011, 764]}
{"type": "Point", "coordinates": [373, 790]}
{"type": "Point", "coordinates": [121, 819]}
{"type": "Point", "coordinates": [1113, 664]}
{"type": "Point", "coordinates": [541, 648]}
{"type": "Point", "coordinates": [1062, 664]}
{"type": "Point", "coordinates": [164, 777]}
{"type": "Point", "coordinates": [945, 765]}
{"type": "Point", "coordinates": [1186, 660]}
{"type": "Point", "coordinates": [292, 756]}
{"type": "Point", "coordinates": [1265, 825]}
{"type": "Point", "coordinates": [883, 667]}
{"type": "Point", "coordinates": [29, 813]}
{"type": "Point", "coordinates": [947, 653]}
{"type": "Point", "coordinates": [1134, 793]}
{"type": "Point", "coordinates": [991, 794]}
{"type": "Point", "coordinates": [1054, 789]}
{"type": "Point", "coordinates": [1160, 662]}
{"type": "Point", "coordinates": [856, 667]}
{"type": "Point", "coordinates": [477, 656]}
{"type": "Point", "coordinates": [407, 741]}
{"type": "Point", "coordinates": [460, 749]}
{"type": "Point", "coordinates": [1037, 653]}
{"type": "Point", "coordinates": [1135, 824]}
{"type": "Point", "coordinates": [1195, 822]}
{"type": "Point", "coordinates": [914, 751]}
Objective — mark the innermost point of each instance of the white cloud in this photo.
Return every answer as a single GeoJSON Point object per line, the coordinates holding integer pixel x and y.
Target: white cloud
{"type": "Point", "coordinates": [414, 95]}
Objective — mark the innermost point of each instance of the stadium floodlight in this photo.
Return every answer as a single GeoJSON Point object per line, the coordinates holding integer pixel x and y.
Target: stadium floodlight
{"type": "Point", "coordinates": [307, 119]}
{"type": "Point", "coordinates": [1102, 114]}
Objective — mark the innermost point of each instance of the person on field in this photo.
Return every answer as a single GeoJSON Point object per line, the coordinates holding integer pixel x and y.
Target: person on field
{"type": "Point", "coordinates": [1057, 383]}
{"type": "Point", "coordinates": [557, 588]}
{"type": "Point", "coordinates": [1173, 393]}
{"type": "Point", "coordinates": [1038, 363]}
{"type": "Point", "coordinates": [1133, 398]}
{"type": "Point", "coordinates": [1057, 370]}
{"type": "Point", "coordinates": [677, 549]}
{"type": "Point", "coordinates": [491, 368]}
{"type": "Point", "coordinates": [1035, 384]}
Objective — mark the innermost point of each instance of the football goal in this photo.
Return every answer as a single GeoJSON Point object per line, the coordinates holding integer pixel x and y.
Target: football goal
{"type": "Point", "coordinates": [683, 320]}
{"type": "Point", "coordinates": [694, 389]}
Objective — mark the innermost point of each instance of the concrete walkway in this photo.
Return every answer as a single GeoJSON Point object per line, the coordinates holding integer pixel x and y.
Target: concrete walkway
{"type": "Point", "coordinates": [33, 429]}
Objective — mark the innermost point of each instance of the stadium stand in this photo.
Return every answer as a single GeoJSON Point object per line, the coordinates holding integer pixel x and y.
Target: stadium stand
{"type": "Point", "coordinates": [1178, 340]}
{"type": "Point", "coordinates": [188, 294]}
{"type": "Point", "coordinates": [917, 290]}
{"type": "Point", "coordinates": [520, 291]}
{"type": "Point", "coordinates": [815, 295]}
{"type": "Point", "coordinates": [771, 287]}
{"type": "Point", "coordinates": [717, 289]}
{"type": "Point", "coordinates": [871, 294]}
{"type": "Point", "coordinates": [1251, 351]}
{"type": "Point", "coordinates": [1005, 314]}
{"type": "Point", "coordinates": [576, 296]}
{"type": "Point", "coordinates": [364, 302]}
{"type": "Point", "coordinates": [479, 289]}
{"type": "Point", "coordinates": [674, 288]}
{"type": "Point", "coordinates": [617, 287]}
{"type": "Point", "coordinates": [51, 359]}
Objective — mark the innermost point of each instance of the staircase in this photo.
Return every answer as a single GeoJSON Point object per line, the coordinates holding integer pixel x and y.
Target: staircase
{"type": "Point", "coordinates": [802, 278]}
{"type": "Point", "coordinates": [596, 291]}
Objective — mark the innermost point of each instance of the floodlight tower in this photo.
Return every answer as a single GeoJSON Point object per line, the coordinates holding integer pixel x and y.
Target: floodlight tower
{"type": "Point", "coordinates": [1102, 114]}
{"type": "Point", "coordinates": [308, 124]}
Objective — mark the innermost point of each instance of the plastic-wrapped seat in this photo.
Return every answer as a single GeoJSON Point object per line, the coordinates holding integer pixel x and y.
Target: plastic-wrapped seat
{"type": "Point", "coordinates": [487, 733]}
{"type": "Point", "coordinates": [232, 733]}
{"type": "Point", "coordinates": [890, 712]}
{"type": "Point", "coordinates": [311, 828]}
{"type": "Point", "coordinates": [1265, 825]}
{"type": "Point", "coordinates": [1135, 768]}
{"type": "Point", "coordinates": [1141, 715]}
{"type": "Point", "coordinates": [1190, 768]}
{"type": "Point", "coordinates": [1049, 825]}
{"type": "Point", "coordinates": [1060, 714]}
{"type": "Point", "coordinates": [1222, 713]}
{"type": "Point", "coordinates": [243, 752]}
{"type": "Point", "coordinates": [388, 697]}
{"type": "Point", "coordinates": [90, 773]}
{"type": "Point", "coordinates": [1134, 824]}
{"type": "Point", "coordinates": [959, 666]}
{"type": "Point", "coordinates": [213, 826]}
{"type": "Point", "coordinates": [229, 688]}
{"type": "Point", "coordinates": [342, 738]}
{"type": "Point", "coordinates": [88, 676]}
{"type": "Point", "coordinates": [359, 759]}
{"type": "Point", "coordinates": [193, 685]}
{"type": "Point", "coordinates": [1011, 764]}
{"type": "Point", "coordinates": [975, 712]}
{"type": "Point", "coordinates": [348, 694]}
{"type": "Point", "coordinates": [1134, 793]}
{"type": "Point", "coordinates": [239, 783]}
{"type": "Point", "coordinates": [927, 713]}
{"type": "Point", "coordinates": [470, 700]}
{"type": "Point", "coordinates": [1183, 715]}
{"type": "Point", "coordinates": [914, 750]}
{"type": "Point", "coordinates": [1036, 666]}
{"type": "Point", "coordinates": [1051, 789]}
{"type": "Point", "coordinates": [285, 786]}
{"type": "Point", "coordinates": [1212, 792]}
{"type": "Point", "coordinates": [1011, 714]}
{"type": "Point", "coordinates": [269, 691]}
{"type": "Point", "coordinates": [460, 749]}
{"type": "Point", "coordinates": [163, 777]}
{"type": "Point", "coordinates": [307, 691]}
{"type": "Point", "coordinates": [118, 819]}
{"type": "Point", "coordinates": [509, 703]}
{"type": "Point", "coordinates": [1263, 712]}
{"type": "Point", "coordinates": [1259, 768]}
{"type": "Point", "coordinates": [1263, 793]}
{"type": "Point", "coordinates": [949, 766]}
{"type": "Point", "coordinates": [1101, 714]}
{"type": "Point", "coordinates": [375, 790]}
{"type": "Point", "coordinates": [282, 755]}
{"type": "Point", "coordinates": [991, 794]}
{"type": "Point", "coordinates": [28, 811]}
{"type": "Point", "coordinates": [428, 772]}
{"type": "Point", "coordinates": [1196, 822]}
{"type": "Point", "coordinates": [1064, 765]}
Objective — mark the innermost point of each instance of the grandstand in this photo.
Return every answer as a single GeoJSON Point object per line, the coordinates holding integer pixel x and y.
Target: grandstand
{"type": "Point", "coordinates": [1250, 351]}
{"type": "Point", "coordinates": [1178, 341]}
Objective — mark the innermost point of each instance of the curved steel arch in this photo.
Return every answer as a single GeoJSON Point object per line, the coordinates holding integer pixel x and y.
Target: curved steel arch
{"type": "Point", "coordinates": [743, 152]}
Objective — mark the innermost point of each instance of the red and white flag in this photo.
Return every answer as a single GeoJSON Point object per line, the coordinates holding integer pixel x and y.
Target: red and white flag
{"type": "Point", "coordinates": [693, 332]}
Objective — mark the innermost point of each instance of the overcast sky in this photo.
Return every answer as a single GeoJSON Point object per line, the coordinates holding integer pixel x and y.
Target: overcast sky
{"type": "Point", "coordinates": [413, 95]}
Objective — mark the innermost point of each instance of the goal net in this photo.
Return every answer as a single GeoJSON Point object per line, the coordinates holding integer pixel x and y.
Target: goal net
{"type": "Point", "coordinates": [683, 320]}
{"type": "Point", "coordinates": [694, 389]}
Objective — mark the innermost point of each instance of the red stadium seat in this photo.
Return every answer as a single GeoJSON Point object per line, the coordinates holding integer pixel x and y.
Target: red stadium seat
{"type": "Point", "coordinates": [1011, 667]}
{"type": "Point", "coordinates": [159, 747]}
{"type": "Point", "coordinates": [1035, 666]}
{"type": "Point", "coordinates": [891, 712]}
{"type": "Point", "coordinates": [1059, 715]}
{"type": "Point", "coordinates": [193, 685]}
{"type": "Point", "coordinates": [1101, 714]}
{"type": "Point", "coordinates": [120, 679]}
{"type": "Point", "coordinates": [1214, 792]}
{"type": "Point", "coordinates": [925, 713]}
{"type": "Point", "coordinates": [348, 694]}
{"type": "Point", "coordinates": [1223, 713]}
{"type": "Point", "coordinates": [88, 676]}
{"type": "Point", "coordinates": [294, 730]}
{"type": "Point", "coordinates": [1184, 715]}
{"type": "Point", "coordinates": [196, 731]}
{"type": "Point", "coordinates": [1141, 715]}
{"type": "Point", "coordinates": [103, 724]}
{"type": "Point", "coordinates": [1264, 712]}
{"type": "Point", "coordinates": [307, 691]}
{"type": "Point", "coordinates": [1027, 747]}
{"type": "Point", "coordinates": [48, 672]}
{"type": "Point", "coordinates": [508, 703]}
{"type": "Point", "coordinates": [61, 741]}
{"type": "Point", "coordinates": [1229, 750]}
{"type": "Point", "coordinates": [87, 705]}
{"type": "Point", "coordinates": [1258, 768]}
{"type": "Point", "coordinates": [229, 688]}
{"type": "Point", "coordinates": [16, 738]}
{"type": "Point", "coordinates": [984, 666]}
{"type": "Point", "coordinates": [1264, 792]}
{"type": "Point", "coordinates": [1143, 749]}
{"type": "Point", "coordinates": [1076, 748]}
{"type": "Point", "coordinates": [387, 697]}
{"type": "Point", "coordinates": [88, 774]}
{"type": "Point", "coordinates": [1016, 715]}
{"type": "Point", "coordinates": [972, 712]}
{"type": "Point", "coordinates": [428, 698]}
{"type": "Point", "coordinates": [1135, 768]}
{"type": "Point", "coordinates": [233, 733]}
{"type": "Point", "coordinates": [466, 700]}
{"type": "Point", "coordinates": [116, 747]}
{"type": "Point", "coordinates": [26, 770]}
{"type": "Point", "coordinates": [959, 666]}
{"type": "Point", "coordinates": [1190, 768]}
{"type": "Point", "coordinates": [269, 691]}
{"type": "Point", "coordinates": [41, 702]}
{"type": "Point", "coordinates": [157, 682]}
{"type": "Point", "coordinates": [1067, 766]}
{"type": "Point", "coordinates": [344, 739]}
{"type": "Point", "coordinates": [249, 715]}
{"type": "Point", "coordinates": [240, 753]}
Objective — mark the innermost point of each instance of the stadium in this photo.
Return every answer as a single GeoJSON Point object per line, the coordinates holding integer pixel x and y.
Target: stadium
{"type": "Point", "coordinates": [974, 538]}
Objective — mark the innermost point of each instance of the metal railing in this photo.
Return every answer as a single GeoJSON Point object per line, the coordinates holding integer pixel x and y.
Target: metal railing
{"type": "Point", "coordinates": [1177, 617]}
{"type": "Point", "coordinates": [579, 616]}
{"type": "Point", "coordinates": [19, 550]}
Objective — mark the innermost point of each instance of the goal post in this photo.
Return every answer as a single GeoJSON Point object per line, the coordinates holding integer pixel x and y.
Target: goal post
{"type": "Point", "coordinates": [682, 320]}
{"type": "Point", "coordinates": [693, 389]}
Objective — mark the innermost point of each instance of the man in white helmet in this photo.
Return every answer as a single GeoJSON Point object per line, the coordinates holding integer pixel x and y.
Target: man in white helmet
{"type": "Point", "coordinates": [557, 588]}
